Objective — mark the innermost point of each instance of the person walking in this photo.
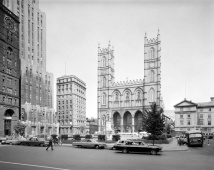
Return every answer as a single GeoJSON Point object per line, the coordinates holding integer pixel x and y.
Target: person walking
{"type": "Point", "coordinates": [50, 143]}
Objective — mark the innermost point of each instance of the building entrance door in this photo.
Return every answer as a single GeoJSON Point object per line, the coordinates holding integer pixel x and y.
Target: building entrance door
{"type": "Point", "coordinates": [7, 127]}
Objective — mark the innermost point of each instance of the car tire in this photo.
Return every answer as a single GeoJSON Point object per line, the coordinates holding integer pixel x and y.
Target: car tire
{"type": "Point", "coordinates": [125, 150]}
{"type": "Point", "coordinates": [154, 152]}
{"type": "Point", "coordinates": [96, 147]}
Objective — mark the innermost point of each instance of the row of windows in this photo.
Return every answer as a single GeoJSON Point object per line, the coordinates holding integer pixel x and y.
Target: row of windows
{"type": "Point", "coordinates": [200, 116]}
{"type": "Point", "coordinates": [201, 122]}
{"type": "Point", "coordinates": [9, 100]}
{"type": "Point", "coordinates": [128, 96]}
{"type": "Point", "coordinates": [9, 80]}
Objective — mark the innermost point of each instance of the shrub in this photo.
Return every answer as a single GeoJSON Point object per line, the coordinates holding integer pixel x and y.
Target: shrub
{"type": "Point", "coordinates": [115, 137]}
{"type": "Point", "coordinates": [169, 136]}
{"type": "Point", "coordinates": [88, 136]}
{"type": "Point", "coordinates": [101, 137]}
{"type": "Point", "coordinates": [210, 137]}
{"type": "Point", "coordinates": [77, 137]}
{"type": "Point", "coordinates": [162, 137]}
{"type": "Point", "coordinates": [64, 137]}
{"type": "Point", "coordinates": [150, 137]}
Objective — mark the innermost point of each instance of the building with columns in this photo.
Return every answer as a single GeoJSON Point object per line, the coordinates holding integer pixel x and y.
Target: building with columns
{"type": "Point", "coordinates": [120, 105]}
{"type": "Point", "coordinates": [36, 83]}
{"type": "Point", "coordinates": [194, 116]}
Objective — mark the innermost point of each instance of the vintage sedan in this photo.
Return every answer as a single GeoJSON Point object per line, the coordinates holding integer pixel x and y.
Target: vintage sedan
{"type": "Point", "coordinates": [15, 141]}
{"type": "Point", "coordinates": [137, 146]}
{"type": "Point", "coordinates": [89, 143]}
{"type": "Point", "coordinates": [34, 141]}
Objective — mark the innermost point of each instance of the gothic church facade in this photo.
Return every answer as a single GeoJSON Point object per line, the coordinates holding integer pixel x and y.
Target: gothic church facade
{"type": "Point", "coordinates": [123, 103]}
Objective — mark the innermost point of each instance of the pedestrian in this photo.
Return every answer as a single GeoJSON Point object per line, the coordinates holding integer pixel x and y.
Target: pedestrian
{"type": "Point", "coordinates": [59, 140]}
{"type": "Point", "coordinates": [50, 143]}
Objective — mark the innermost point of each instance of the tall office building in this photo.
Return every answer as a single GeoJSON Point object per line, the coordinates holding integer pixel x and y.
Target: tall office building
{"type": "Point", "coordinates": [71, 105]}
{"type": "Point", "coordinates": [36, 83]}
{"type": "Point", "coordinates": [9, 71]}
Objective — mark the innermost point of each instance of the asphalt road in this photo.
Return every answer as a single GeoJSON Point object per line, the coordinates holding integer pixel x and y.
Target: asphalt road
{"type": "Point", "coordinates": [70, 158]}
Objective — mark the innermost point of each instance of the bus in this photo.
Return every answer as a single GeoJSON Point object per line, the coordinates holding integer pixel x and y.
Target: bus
{"type": "Point", "coordinates": [194, 138]}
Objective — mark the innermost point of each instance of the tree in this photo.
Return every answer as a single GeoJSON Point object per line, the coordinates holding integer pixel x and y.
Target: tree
{"type": "Point", "coordinates": [153, 121]}
{"type": "Point", "coordinates": [19, 128]}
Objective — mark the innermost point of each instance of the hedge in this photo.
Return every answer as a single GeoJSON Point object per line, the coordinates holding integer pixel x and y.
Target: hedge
{"type": "Point", "coordinates": [77, 137]}
{"type": "Point", "coordinates": [88, 136]}
{"type": "Point", "coordinates": [115, 137]}
{"type": "Point", "coordinates": [101, 137]}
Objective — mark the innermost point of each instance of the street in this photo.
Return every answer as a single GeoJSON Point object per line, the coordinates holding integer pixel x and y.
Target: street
{"type": "Point", "coordinates": [67, 157]}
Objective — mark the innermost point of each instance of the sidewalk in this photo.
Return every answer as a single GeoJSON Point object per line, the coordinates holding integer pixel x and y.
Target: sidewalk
{"type": "Point", "coordinates": [174, 146]}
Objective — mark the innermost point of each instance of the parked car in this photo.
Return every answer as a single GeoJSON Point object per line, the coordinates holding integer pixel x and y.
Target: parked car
{"type": "Point", "coordinates": [137, 146]}
{"type": "Point", "coordinates": [15, 141]}
{"type": "Point", "coordinates": [2, 140]}
{"type": "Point", "coordinates": [34, 141]}
{"type": "Point", "coordinates": [89, 143]}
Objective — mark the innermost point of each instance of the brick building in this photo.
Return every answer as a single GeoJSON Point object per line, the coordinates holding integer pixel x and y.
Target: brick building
{"type": "Point", "coordinates": [9, 71]}
{"type": "Point", "coordinates": [36, 83]}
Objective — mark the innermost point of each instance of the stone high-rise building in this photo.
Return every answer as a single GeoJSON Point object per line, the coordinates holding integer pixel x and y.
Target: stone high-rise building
{"type": "Point", "coordinates": [121, 104]}
{"type": "Point", "coordinates": [36, 83]}
{"type": "Point", "coordinates": [9, 71]}
{"type": "Point", "coordinates": [71, 105]}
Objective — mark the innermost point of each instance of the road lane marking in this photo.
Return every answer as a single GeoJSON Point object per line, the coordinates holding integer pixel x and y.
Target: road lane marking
{"type": "Point", "coordinates": [39, 166]}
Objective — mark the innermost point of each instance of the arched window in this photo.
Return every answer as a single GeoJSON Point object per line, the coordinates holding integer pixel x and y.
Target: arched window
{"type": "Point", "coordinates": [152, 78]}
{"type": "Point", "coordinates": [104, 61]}
{"type": "Point", "coordinates": [138, 95]}
{"type": "Point", "coordinates": [151, 95]}
{"type": "Point", "coordinates": [116, 97]}
{"type": "Point", "coordinates": [152, 53]}
{"type": "Point", "coordinates": [127, 96]}
{"type": "Point", "coordinates": [104, 99]}
{"type": "Point", "coordinates": [104, 82]}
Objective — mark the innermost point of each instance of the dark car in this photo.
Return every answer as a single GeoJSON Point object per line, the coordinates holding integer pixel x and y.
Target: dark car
{"type": "Point", "coordinates": [34, 141]}
{"type": "Point", "coordinates": [137, 146]}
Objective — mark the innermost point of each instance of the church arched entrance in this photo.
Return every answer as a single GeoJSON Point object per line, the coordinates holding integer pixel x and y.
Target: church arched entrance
{"type": "Point", "coordinates": [117, 122]}
{"type": "Point", "coordinates": [127, 122]}
{"type": "Point", "coordinates": [138, 121]}
{"type": "Point", "coordinates": [7, 121]}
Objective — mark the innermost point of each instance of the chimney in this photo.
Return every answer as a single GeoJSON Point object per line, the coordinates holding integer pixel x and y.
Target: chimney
{"type": "Point", "coordinates": [212, 99]}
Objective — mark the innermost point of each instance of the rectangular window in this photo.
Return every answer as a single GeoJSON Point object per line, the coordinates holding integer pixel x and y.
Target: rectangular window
{"type": "Point", "coordinates": [201, 116]}
{"type": "Point", "coordinates": [201, 121]}
{"type": "Point", "coordinates": [188, 122]}
{"type": "Point", "coordinates": [181, 116]}
{"type": "Point", "coordinates": [188, 115]}
{"type": "Point", "coordinates": [209, 122]}
{"type": "Point", "coordinates": [209, 116]}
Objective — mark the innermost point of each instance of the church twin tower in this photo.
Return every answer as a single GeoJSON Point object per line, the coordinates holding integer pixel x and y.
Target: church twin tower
{"type": "Point", "coordinates": [121, 104]}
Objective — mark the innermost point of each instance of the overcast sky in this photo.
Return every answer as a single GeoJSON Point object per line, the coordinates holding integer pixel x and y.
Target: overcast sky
{"type": "Point", "coordinates": [74, 29]}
